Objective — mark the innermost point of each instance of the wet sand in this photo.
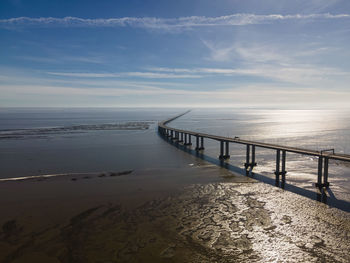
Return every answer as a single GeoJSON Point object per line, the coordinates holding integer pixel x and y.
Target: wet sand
{"type": "Point", "coordinates": [200, 213]}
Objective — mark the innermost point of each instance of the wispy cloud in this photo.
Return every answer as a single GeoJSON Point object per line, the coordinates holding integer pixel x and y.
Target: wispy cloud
{"type": "Point", "coordinates": [162, 23]}
{"type": "Point", "coordinates": [316, 6]}
{"type": "Point", "coordinates": [292, 74]}
{"type": "Point", "coordinates": [131, 92]}
{"type": "Point", "coordinates": [148, 75]}
{"type": "Point", "coordinates": [256, 95]}
{"type": "Point", "coordinates": [224, 71]}
{"type": "Point", "coordinates": [156, 75]}
{"type": "Point", "coordinates": [219, 53]}
{"type": "Point", "coordinates": [60, 59]}
{"type": "Point", "coordinates": [116, 91]}
{"type": "Point", "coordinates": [261, 52]}
{"type": "Point", "coordinates": [271, 61]}
{"type": "Point", "coordinates": [84, 75]}
{"type": "Point", "coordinates": [295, 74]}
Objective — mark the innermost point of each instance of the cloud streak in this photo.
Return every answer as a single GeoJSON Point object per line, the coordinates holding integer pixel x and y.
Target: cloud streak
{"type": "Point", "coordinates": [163, 23]}
{"type": "Point", "coordinates": [291, 74]}
{"type": "Point", "coordinates": [147, 75]}
{"type": "Point", "coordinates": [93, 91]}
{"type": "Point", "coordinates": [257, 95]}
{"type": "Point", "coordinates": [297, 74]}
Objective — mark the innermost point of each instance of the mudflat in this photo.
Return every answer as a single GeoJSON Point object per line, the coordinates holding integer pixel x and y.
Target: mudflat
{"type": "Point", "coordinates": [200, 213]}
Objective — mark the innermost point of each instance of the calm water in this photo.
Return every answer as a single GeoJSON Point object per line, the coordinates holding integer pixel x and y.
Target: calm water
{"type": "Point", "coordinates": [45, 151]}
{"type": "Point", "coordinates": [40, 152]}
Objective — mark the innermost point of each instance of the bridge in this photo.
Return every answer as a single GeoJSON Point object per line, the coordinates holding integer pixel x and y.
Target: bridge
{"type": "Point", "coordinates": [185, 137]}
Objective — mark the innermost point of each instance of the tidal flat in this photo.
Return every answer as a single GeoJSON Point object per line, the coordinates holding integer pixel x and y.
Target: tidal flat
{"type": "Point", "coordinates": [200, 213]}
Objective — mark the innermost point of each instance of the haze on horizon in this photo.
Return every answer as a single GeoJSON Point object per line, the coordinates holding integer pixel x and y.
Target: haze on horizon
{"type": "Point", "coordinates": [204, 53]}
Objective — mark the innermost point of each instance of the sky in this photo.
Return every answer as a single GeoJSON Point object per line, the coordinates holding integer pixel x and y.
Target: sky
{"type": "Point", "coordinates": [145, 53]}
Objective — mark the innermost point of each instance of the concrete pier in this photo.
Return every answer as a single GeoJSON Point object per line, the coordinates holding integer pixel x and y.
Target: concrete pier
{"type": "Point", "coordinates": [280, 163]}
{"type": "Point", "coordinates": [221, 156]}
{"type": "Point", "coordinates": [227, 151]}
{"type": "Point", "coordinates": [283, 172]}
{"type": "Point", "coordinates": [250, 159]}
{"type": "Point", "coordinates": [188, 142]}
{"type": "Point", "coordinates": [197, 143]}
{"type": "Point", "coordinates": [202, 144]}
{"type": "Point", "coordinates": [224, 150]}
{"type": "Point", "coordinates": [182, 137]}
{"type": "Point", "coordinates": [322, 172]}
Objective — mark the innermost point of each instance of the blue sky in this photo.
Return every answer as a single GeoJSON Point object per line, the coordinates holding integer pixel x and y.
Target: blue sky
{"type": "Point", "coordinates": [175, 53]}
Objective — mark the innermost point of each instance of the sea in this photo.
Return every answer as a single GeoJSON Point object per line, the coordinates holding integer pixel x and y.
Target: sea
{"type": "Point", "coordinates": [53, 141]}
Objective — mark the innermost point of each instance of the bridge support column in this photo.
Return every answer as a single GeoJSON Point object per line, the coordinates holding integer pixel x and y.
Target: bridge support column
{"type": "Point", "coordinates": [181, 139]}
{"type": "Point", "coordinates": [227, 151]}
{"type": "Point", "coordinates": [197, 143]}
{"type": "Point", "coordinates": [325, 182]}
{"type": "Point", "coordinates": [221, 156]}
{"type": "Point", "coordinates": [325, 173]}
{"type": "Point", "coordinates": [277, 172]}
{"type": "Point", "coordinates": [202, 144]}
{"type": "Point", "coordinates": [172, 134]}
{"type": "Point", "coordinates": [224, 147]}
{"type": "Point", "coordinates": [176, 136]}
{"type": "Point", "coordinates": [283, 173]}
{"type": "Point", "coordinates": [247, 157]}
{"type": "Point", "coordinates": [319, 172]}
{"type": "Point", "coordinates": [280, 164]}
{"type": "Point", "coordinates": [253, 157]}
{"type": "Point", "coordinates": [199, 147]}
{"type": "Point", "coordinates": [188, 142]}
{"type": "Point", "coordinates": [250, 164]}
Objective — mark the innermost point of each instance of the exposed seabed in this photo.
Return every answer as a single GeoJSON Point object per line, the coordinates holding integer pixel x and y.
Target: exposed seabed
{"type": "Point", "coordinates": [202, 213]}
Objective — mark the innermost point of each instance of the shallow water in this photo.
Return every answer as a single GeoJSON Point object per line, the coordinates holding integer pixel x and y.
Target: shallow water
{"type": "Point", "coordinates": [50, 145]}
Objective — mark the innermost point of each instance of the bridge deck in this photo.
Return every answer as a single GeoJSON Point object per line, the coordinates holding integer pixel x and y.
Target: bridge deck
{"type": "Point", "coordinates": [334, 156]}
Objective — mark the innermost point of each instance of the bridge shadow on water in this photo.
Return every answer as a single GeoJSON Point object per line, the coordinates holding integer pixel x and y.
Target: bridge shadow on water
{"type": "Point", "coordinates": [319, 194]}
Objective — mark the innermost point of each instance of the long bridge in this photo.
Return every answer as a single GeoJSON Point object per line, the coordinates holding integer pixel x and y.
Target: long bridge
{"type": "Point", "coordinates": [185, 137]}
